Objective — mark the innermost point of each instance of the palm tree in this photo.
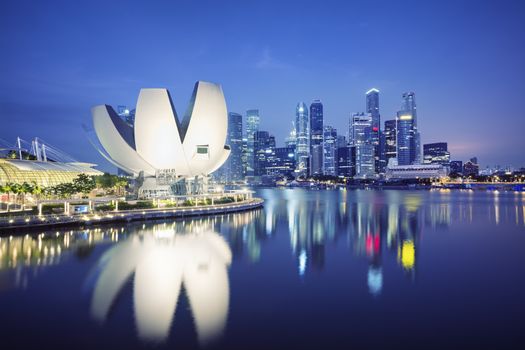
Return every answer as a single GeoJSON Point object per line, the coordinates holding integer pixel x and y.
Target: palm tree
{"type": "Point", "coordinates": [25, 189]}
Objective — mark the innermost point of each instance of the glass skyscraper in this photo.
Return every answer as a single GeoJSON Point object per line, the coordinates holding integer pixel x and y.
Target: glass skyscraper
{"type": "Point", "coordinates": [234, 139]}
{"type": "Point", "coordinates": [330, 151]}
{"type": "Point", "coordinates": [302, 131]}
{"type": "Point", "coordinates": [408, 139]}
{"type": "Point", "coordinates": [264, 151]}
{"type": "Point", "coordinates": [316, 138]}
{"type": "Point", "coordinates": [252, 125]}
{"type": "Point", "coordinates": [360, 136]}
{"type": "Point", "coordinates": [389, 136]}
{"type": "Point", "coordinates": [372, 107]}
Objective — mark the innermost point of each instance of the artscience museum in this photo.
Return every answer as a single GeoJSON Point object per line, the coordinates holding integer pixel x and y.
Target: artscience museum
{"type": "Point", "coordinates": [168, 155]}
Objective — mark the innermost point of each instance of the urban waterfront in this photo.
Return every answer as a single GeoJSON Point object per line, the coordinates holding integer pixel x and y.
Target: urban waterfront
{"type": "Point", "coordinates": [312, 269]}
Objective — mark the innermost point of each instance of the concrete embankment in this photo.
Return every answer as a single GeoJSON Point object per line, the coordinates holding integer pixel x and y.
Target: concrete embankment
{"type": "Point", "coordinates": [28, 222]}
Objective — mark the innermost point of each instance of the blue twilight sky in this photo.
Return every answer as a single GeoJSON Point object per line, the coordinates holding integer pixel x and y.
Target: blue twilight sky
{"type": "Point", "coordinates": [465, 60]}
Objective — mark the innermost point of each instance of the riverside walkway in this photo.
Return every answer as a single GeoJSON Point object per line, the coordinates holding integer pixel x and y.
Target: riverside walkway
{"type": "Point", "coordinates": [38, 221]}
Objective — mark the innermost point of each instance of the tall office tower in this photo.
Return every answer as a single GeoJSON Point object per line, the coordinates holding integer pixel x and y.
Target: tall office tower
{"type": "Point", "coordinates": [244, 156]}
{"type": "Point", "coordinates": [252, 125]}
{"type": "Point", "coordinates": [330, 151]}
{"type": "Point", "coordinates": [316, 138]}
{"type": "Point", "coordinates": [346, 161]}
{"type": "Point", "coordinates": [408, 137]}
{"type": "Point", "coordinates": [302, 132]}
{"type": "Point", "coordinates": [283, 163]}
{"type": "Point", "coordinates": [341, 141]}
{"type": "Point", "coordinates": [291, 139]}
{"type": "Point", "coordinates": [264, 146]}
{"type": "Point", "coordinates": [436, 153]}
{"type": "Point", "coordinates": [390, 144]}
{"type": "Point", "coordinates": [316, 160]}
{"type": "Point", "coordinates": [372, 107]}
{"type": "Point", "coordinates": [234, 139]}
{"type": "Point", "coordinates": [360, 136]}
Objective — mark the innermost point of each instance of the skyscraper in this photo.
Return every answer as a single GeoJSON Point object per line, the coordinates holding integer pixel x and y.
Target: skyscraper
{"type": "Point", "coordinates": [252, 125]}
{"type": "Point", "coordinates": [234, 163]}
{"type": "Point", "coordinates": [316, 138]}
{"type": "Point", "coordinates": [389, 136]}
{"type": "Point", "coordinates": [407, 138]}
{"type": "Point", "coordinates": [360, 136]}
{"type": "Point", "coordinates": [264, 150]}
{"type": "Point", "coordinates": [372, 107]}
{"type": "Point", "coordinates": [291, 140]}
{"type": "Point", "coordinates": [330, 151]}
{"type": "Point", "coordinates": [302, 131]}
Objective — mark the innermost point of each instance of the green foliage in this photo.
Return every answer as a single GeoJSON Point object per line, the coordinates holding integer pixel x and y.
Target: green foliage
{"type": "Point", "coordinates": [84, 184]}
{"type": "Point", "coordinates": [110, 182]}
{"type": "Point", "coordinates": [138, 205]}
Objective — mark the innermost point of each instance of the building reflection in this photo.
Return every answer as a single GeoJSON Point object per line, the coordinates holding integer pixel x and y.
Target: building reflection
{"type": "Point", "coordinates": [27, 255]}
{"type": "Point", "coordinates": [371, 223]}
{"type": "Point", "coordinates": [162, 259]}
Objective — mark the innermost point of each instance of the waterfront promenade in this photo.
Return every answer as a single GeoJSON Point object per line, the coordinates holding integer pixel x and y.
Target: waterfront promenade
{"type": "Point", "coordinates": [8, 224]}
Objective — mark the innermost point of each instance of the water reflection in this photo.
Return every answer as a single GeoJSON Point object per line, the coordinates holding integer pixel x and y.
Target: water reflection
{"type": "Point", "coordinates": [162, 259]}
{"type": "Point", "coordinates": [299, 232]}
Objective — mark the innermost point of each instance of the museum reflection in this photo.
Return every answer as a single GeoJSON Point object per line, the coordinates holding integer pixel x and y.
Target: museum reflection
{"type": "Point", "coordinates": [167, 261]}
{"type": "Point", "coordinates": [162, 260]}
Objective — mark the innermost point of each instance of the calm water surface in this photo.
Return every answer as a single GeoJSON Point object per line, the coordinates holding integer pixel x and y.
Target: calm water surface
{"type": "Point", "coordinates": [313, 269]}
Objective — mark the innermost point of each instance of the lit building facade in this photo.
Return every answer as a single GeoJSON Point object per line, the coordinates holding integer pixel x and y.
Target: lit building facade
{"type": "Point", "coordinates": [360, 136]}
{"type": "Point", "coordinates": [316, 138]}
{"type": "Point", "coordinates": [416, 171]}
{"type": "Point", "coordinates": [330, 151]}
{"type": "Point", "coordinates": [372, 107]}
{"type": "Point", "coordinates": [408, 138]}
{"type": "Point", "coordinates": [252, 125]}
{"type": "Point", "coordinates": [169, 153]}
{"type": "Point", "coordinates": [389, 136]}
{"type": "Point", "coordinates": [302, 131]}
{"type": "Point", "coordinates": [233, 170]}
{"type": "Point", "coordinates": [436, 153]}
{"type": "Point", "coordinates": [264, 150]}
{"type": "Point", "coordinates": [42, 173]}
{"type": "Point", "coordinates": [283, 163]}
{"type": "Point", "coordinates": [346, 161]}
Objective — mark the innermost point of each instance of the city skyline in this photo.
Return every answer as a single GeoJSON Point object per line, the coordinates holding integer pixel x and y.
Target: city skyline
{"type": "Point", "coordinates": [461, 72]}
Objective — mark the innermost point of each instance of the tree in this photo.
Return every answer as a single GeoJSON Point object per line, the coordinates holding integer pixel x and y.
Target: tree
{"type": "Point", "coordinates": [84, 184]}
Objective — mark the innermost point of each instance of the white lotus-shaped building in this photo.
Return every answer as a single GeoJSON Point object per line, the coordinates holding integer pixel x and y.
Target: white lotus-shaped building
{"type": "Point", "coordinates": [158, 141]}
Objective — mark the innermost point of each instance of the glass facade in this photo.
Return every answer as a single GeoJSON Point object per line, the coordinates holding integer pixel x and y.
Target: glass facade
{"type": "Point", "coordinates": [360, 136]}
{"type": "Point", "coordinates": [252, 125]}
{"type": "Point", "coordinates": [43, 174]}
{"type": "Point", "coordinates": [316, 137]}
{"type": "Point", "coordinates": [234, 162]}
{"type": "Point", "coordinates": [302, 132]}
{"type": "Point", "coordinates": [436, 153]}
{"type": "Point", "coordinates": [330, 151]}
{"type": "Point", "coordinates": [408, 138]}
{"type": "Point", "coordinates": [389, 136]}
{"type": "Point", "coordinates": [372, 107]}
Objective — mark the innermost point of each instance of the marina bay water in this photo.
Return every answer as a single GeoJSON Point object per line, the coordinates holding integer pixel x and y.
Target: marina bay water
{"type": "Point", "coordinates": [312, 269]}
